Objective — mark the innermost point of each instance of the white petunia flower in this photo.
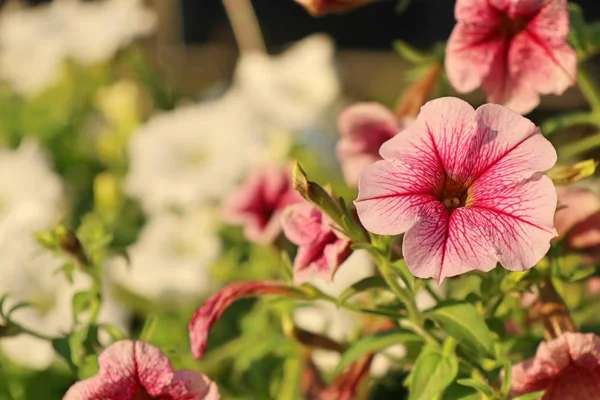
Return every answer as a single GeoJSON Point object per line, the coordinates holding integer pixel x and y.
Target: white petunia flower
{"type": "Point", "coordinates": [36, 41]}
{"type": "Point", "coordinates": [193, 154]}
{"type": "Point", "coordinates": [291, 90]}
{"type": "Point", "coordinates": [30, 192]}
{"type": "Point", "coordinates": [101, 28]}
{"type": "Point", "coordinates": [171, 259]}
{"type": "Point", "coordinates": [29, 275]}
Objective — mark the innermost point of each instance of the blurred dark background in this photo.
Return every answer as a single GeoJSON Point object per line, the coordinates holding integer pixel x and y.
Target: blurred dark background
{"type": "Point", "coordinates": [373, 27]}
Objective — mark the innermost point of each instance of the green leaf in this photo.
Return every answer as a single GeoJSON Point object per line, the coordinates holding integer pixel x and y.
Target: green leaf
{"type": "Point", "coordinates": [583, 37]}
{"type": "Point", "coordinates": [476, 384]}
{"type": "Point", "coordinates": [370, 283]}
{"type": "Point", "coordinates": [374, 343]}
{"type": "Point", "coordinates": [83, 301]}
{"type": "Point", "coordinates": [463, 322]}
{"type": "Point", "coordinates": [582, 273]}
{"type": "Point", "coordinates": [62, 348]}
{"type": "Point", "coordinates": [568, 174]}
{"type": "Point", "coordinates": [511, 281]}
{"type": "Point", "coordinates": [506, 379]}
{"type": "Point", "coordinates": [409, 53]}
{"type": "Point", "coordinates": [89, 367]}
{"type": "Point", "coordinates": [114, 332]}
{"type": "Point", "coordinates": [530, 396]}
{"type": "Point", "coordinates": [432, 374]}
{"type": "Point", "coordinates": [563, 121]}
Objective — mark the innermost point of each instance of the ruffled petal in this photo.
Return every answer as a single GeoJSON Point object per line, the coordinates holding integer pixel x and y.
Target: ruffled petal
{"type": "Point", "coordinates": [205, 317]}
{"type": "Point", "coordinates": [302, 223]}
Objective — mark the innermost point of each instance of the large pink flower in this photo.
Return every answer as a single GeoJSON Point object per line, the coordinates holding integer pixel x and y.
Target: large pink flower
{"type": "Point", "coordinates": [136, 371]}
{"type": "Point", "coordinates": [465, 186]}
{"type": "Point", "coordinates": [259, 201]}
{"type": "Point", "coordinates": [516, 49]}
{"type": "Point", "coordinates": [567, 368]}
{"type": "Point", "coordinates": [206, 316]}
{"type": "Point", "coordinates": [322, 246]}
{"type": "Point", "coordinates": [364, 127]}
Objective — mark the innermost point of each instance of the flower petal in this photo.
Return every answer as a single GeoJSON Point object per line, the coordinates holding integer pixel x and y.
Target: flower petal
{"type": "Point", "coordinates": [547, 68]}
{"type": "Point", "coordinates": [390, 196]}
{"type": "Point", "coordinates": [442, 245]}
{"type": "Point", "coordinates": [577, 216]}
{"type": "Point", "coordinates": [363, 127]}
{"type": "Point", "coordinates": [116, 378]}
{"type": "Point", "coordinates": [302, 223]}
{"type": "Point", "coordinates": [205, 317]}
{"type": "Point", "coordinates": [469, 59]}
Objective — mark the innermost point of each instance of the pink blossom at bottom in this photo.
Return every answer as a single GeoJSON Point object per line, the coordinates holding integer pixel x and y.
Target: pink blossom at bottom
{"type": "Point", "coordinates": [466, 188]}
{"type": "Point", "coordinates": [567, 368]}
{"type": "Point", "coordinates": [209, 313]}
{"type": "Point", "coordinates": [134, 370]}
{"type": "Point", "coordinates": [515, 49]}
{"type": "Point", "coordinates": [364, 127]}
{"type": "Point", "coordinates": [259, 201]}
{"type": "Point", "coordinates": [322, 246]}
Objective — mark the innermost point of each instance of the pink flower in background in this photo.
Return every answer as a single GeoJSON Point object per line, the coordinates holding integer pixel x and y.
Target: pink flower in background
{"type": "Point", "coordinates": [363, 127]}
{"type": "Point", "coordinates": [515, 49]}
{"type": "Point", "coordinates": [322, 247]}
{"type": "Point", "coordinates": [137, 370]}
{"type": "Point", "coordinates": [465, 185]}
{"type": "Point", "coordinates": [259, 201]}
{"type": "Point", "coordinates": [206, 316]}
{"type": "Point", "coordinates": [578, 217]}
{"type": "Point", "coordinates": [567, 368]}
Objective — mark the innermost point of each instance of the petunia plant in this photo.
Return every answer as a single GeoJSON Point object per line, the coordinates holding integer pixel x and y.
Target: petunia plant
{"type": "Point", "coordinates": [274, 240]}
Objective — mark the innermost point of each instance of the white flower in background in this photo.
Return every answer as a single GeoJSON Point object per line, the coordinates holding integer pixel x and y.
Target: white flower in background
{"type": "Point", "coordinates": [30, 192]}
{"type": "Point", "coordinates": [193, 154]}
{"type": "Point", "coordinates": [28, 274]}
{"type": "Point", "coordinates": [101, 28]}
{"type": "Point", "coordinates": [36, 41]}
{"type": "Point", "coordinates": [339, 324]}
{"type": "Point", "coordinates": [171, 259]}
{"type": "Point", "coordinates": [291, 90]}
{"type": "Point", "coordinates": [32, 45]}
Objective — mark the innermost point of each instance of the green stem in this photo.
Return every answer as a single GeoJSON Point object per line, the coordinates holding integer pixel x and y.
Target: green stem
{"type": "Point", "coordinates": [589, 88]}
{"type": "Point", "coordinates": [432, 293]}
{"type": "Point", "coordinates": [552, 125]}
{"type": "Point", "coordinates": [390, 278]}
{"type": "Point", "coordinates": [580, 146]}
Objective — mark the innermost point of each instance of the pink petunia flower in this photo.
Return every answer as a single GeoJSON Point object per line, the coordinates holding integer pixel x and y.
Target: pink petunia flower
{"type": "Point", "coordinates": [567, 368]}
{"type": "Point", "coordinates": [132, 370]}
{"type": "Point", "coordinates": [578, 217]}
{"type": "Point", "coordinates": [259, 201]}
{"type": "Point", "coordinates": [465, 186]}
{"type": "Point", "coordinates": [515, 49]}
{"type": "Point", "coordinates": [364, 127]}
{"type": "Point", "coordinates": [206, 316]}
{"type": "Point", "coordinates": [322, 247]}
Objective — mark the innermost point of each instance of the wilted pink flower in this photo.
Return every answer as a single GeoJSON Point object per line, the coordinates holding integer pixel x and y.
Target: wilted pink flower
{"type": "Point", "coordinates": [363, 127]}
{"type": "Point", "coordinates": [515, 49]}
{"type": "Point", "coordinates": [259, 201]}
{"type": "Point", "coordinates": [578, 217]}
{"type": "Point", "coordinates": [567, 368]}
{"type": "Point", "coordinates": [322, 247]}
{"type": "Point", "coordinates": [137, 370]}
{"type": "Point", "coordinates": [465, 186]}
{"type": "Point", "coordinates": [205, 317]}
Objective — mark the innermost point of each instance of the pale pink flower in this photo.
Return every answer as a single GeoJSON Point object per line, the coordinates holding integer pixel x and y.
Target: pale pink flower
{"type": "Point", "coordinates": [515, 49]}
{"type": "Point", "coordinates": [322, 246]}
{"type": "Point", "coordinates": [131, 370]}
{"type": "Point", "coordinates": [364, 127]}
{"type": "Point", "coordinates": [259, 201]}
{"type": "Point", "coordinates": [567, 368]}
{"type": "Point", "coordinates": [578, 218]}
{"type": "Point", "coordinates": [465, 186]}
{"type": "Point", "coordinates": [210, 312]}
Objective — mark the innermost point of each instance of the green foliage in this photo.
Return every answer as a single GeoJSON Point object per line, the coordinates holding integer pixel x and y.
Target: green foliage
{"type": "Point", "coordinates": [434, 371]}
